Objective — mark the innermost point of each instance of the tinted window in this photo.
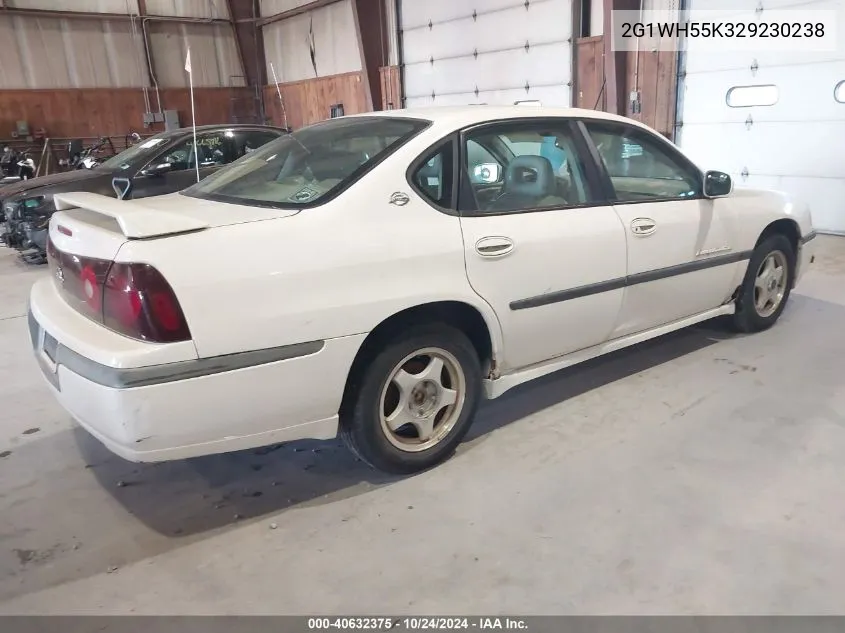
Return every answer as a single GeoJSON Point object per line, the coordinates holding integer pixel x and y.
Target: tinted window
{"type": "Point", "coordinates": [247, 141]}
{"type": "Point", "coordinates": [640, 166]}
{"type": "Point", "coordinates": [433, 178]}
{"type": "Point", "coordinates": [214, 148]}
{"type": "Point", "coordinates": [130, 154]}
{"type": "Point", "coordinates": [309, 164]}
{"type": "Point", "coordinates": [518, 166]}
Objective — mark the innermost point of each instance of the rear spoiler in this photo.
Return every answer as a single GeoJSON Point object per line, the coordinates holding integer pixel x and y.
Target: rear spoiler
{"type": "Point", "coordinates": [137, 222]}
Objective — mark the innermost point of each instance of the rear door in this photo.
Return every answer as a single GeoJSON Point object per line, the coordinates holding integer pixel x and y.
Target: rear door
{"type": "Point", "coordinates": [541, 246]}
{"type": "Point", "coordinates": [682, 258]}
{"type": "Point", "coordinates": [214, 149]}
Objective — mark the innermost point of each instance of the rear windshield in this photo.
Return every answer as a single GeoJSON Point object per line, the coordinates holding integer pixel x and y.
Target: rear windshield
{"type": "Point", "coordinates": [310, 165]}
{"type": "Point", "coordinates": [125, 159]}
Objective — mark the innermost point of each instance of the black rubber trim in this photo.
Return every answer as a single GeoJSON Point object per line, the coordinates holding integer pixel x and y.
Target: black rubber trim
{"type": "Point", "coordinates": [810, 236]}
{"type": "Point", "coordinates": [160, 374]}
{"type": "Point", "coordinates": [630, 280]}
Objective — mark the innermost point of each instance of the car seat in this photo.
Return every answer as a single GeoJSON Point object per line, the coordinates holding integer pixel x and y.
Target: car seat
{"type": "Point", "coordinates": [528, 180]}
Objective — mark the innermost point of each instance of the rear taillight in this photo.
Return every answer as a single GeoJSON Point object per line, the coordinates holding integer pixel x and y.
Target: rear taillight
{"type": "Point", "coordinates": [138, 302]}
{"type": "Point", "coordinates": [132, 299]}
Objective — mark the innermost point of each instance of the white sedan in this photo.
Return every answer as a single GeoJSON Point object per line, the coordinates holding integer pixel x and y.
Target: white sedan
{"type": "Point", "coordinates": [375, 276]}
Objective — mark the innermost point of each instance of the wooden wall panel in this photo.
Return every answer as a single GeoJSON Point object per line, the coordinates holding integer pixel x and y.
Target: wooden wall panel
{"type": "Point", "coordinates": [655, 78]}
{"type": "Point", "coordinates": [310, 100]}
{"type": "Point", "coordinates": [85, 113]}
{"type": "Point", "coordinates": [589, 54]}
{"type": "Point", "coordinates": [391, 90]}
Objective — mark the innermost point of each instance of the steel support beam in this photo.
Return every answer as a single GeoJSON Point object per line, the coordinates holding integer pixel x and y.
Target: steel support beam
{"type": "Point", "coordinates": [249, 40]}
{"type": "Point", "coordinates": [94, 15]}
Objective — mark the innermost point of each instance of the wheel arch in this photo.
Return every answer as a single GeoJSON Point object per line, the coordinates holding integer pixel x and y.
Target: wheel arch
{"type": "Point", "coordinates": [484, 335]}
{"type": "Point", "coordinates": [784, 226]}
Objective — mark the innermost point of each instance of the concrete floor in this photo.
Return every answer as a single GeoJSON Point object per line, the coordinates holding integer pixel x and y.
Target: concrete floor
{"type": "Point", "coordinates": [699, 473]}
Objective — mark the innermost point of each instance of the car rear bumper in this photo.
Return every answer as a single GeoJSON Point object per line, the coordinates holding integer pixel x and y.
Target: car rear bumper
{"type": "Point", "coordinates": [189, 408]}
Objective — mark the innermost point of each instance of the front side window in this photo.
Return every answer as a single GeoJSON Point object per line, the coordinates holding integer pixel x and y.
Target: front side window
{"type": "Point", "coordinates": [311, 164]}
{"type": "Point", "coordinates": [523, 166]}
{"type": "Point", "coordinates": [641, 167]}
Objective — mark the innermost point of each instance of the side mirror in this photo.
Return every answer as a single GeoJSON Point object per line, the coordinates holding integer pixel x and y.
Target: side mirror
{"type": "Point", "coordinates": [157, 170]}
{"type": "Point", "coordinates": [487, 173]}
{"type": "Point", "coordinates": [717, 184]}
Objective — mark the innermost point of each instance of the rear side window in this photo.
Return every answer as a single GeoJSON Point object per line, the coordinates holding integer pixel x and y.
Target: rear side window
{"type": "Point", "coordinates": [310, 165]}
{"type": "Point", "coordinates": [246, 141]}
{"type": "Point", "coordinates": [432, 179]}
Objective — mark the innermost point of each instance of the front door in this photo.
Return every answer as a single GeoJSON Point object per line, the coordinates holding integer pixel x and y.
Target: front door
{"type": "Point", "coordinates": [214, 149]}
{"type": "Point", "coordinates": [539, 245]}
{"type": "Point", "coordinates": [682, 258]}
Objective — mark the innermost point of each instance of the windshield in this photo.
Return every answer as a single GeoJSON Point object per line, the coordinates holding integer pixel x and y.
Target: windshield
{"type": "Point", "coordinates": [128, 156]}
{"type": "Point", "coordinates": [310, 164]}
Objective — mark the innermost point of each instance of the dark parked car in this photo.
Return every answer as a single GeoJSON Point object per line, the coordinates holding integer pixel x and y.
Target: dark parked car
{"type": "Point", "coordinates": [164, 163]}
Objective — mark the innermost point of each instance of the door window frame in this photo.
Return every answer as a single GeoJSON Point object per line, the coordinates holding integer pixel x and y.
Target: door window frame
{"type": "Point", "coordinates": [427, 154]}
{"type": "Point", "coordinates": [632, 132]}
{"type": "Point", "coordinates": [593, 184]}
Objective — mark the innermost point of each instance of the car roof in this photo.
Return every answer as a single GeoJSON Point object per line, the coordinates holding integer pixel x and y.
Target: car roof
{"type": "Point", "coordinates": [220, 126]}
{"type": "Point", "coordinates": [461, 116]}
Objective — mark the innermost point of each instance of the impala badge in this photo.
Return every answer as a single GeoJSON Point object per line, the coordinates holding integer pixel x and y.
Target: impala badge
{"type": "Point", "coordinates": [399, 199]}
{"type": "Point", "coordinates": [60, 274]}
{"type": "Point", "coordinates": [712, 251]}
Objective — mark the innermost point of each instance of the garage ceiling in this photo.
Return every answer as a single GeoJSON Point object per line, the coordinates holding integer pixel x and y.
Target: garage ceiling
{"type": "Point", "coordinates": [497, 52]}
{"type": "Point", "coordinates": [794, 144]}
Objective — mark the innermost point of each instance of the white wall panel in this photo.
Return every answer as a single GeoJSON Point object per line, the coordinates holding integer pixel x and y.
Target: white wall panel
{"type": "Point", "coordinates": [785, 146]}
{"type": "Point", "coordinates": [52, 53]}
{"type": "Point", "coordinates": [97, 6]}
{"type": "Point", "coordinates": [286, 44]}
{"type": "Point", "coordinates": [496, 52]}
{"type": "Point", "coordinates": [189, 8]}
{"type": "Point", "coordinates": [214, 56]}
{"type": "Point", "coordinates": [272, 7]}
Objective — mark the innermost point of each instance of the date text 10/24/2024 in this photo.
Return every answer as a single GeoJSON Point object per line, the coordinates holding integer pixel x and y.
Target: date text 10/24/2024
{"type": "Point", "coordinates": [417, 623]}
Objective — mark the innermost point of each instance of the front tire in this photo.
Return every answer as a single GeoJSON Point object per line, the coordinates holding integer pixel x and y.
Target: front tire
{"type": "Point", "coordinates": [414, 401]}
{"type": "Point", "coordinates": [767, 285]}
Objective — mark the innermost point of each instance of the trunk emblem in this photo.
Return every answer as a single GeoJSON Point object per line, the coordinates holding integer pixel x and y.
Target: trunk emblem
{"type": "Point", "coordinates": [399, 199]}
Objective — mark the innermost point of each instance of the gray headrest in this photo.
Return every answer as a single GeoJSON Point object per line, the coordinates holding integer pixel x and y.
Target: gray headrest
{"type": "Point", "coordinates": [430, 169]}
{"type": "Point", "coordinates": [530, 176]}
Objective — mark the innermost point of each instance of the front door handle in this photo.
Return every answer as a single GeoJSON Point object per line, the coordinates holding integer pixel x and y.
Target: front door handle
{"type": "Point", "coordinates": [494, 246]}
{"type": "Point", "coordinates": [643, 226]}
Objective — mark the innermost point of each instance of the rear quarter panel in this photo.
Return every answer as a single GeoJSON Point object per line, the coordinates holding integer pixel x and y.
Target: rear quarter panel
{"type": "Point", "coordinates": [331, 271]}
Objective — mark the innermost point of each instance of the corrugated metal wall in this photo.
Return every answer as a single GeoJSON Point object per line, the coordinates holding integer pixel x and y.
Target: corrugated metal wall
{"type": "Point", "coordinates": [189, 8]}
{"type": "Point", "coordinates": [93, 6]}
{"type": "Point", "coordinates": [44, 53]}
{"type": "Point", "coordinates": [287, 43]}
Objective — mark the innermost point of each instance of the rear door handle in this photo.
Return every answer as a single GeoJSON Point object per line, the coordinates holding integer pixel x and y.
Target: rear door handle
{"type": "Point", "coordinates": [494, 246]}
{"type": "Point", "coordinates": [643, 226]}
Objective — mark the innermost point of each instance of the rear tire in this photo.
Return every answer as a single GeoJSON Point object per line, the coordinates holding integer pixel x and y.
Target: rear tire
{"type": "Point", "coordinates": [413, 402]}
{"type": "Point", "coordinates": [766, 286]}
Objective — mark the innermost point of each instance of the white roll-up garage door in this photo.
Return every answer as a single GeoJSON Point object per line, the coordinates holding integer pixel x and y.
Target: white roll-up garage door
{"type": "Point", "coordinates": [772, 119]}
{"type": "Point", "coordinates": [496, 51]}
